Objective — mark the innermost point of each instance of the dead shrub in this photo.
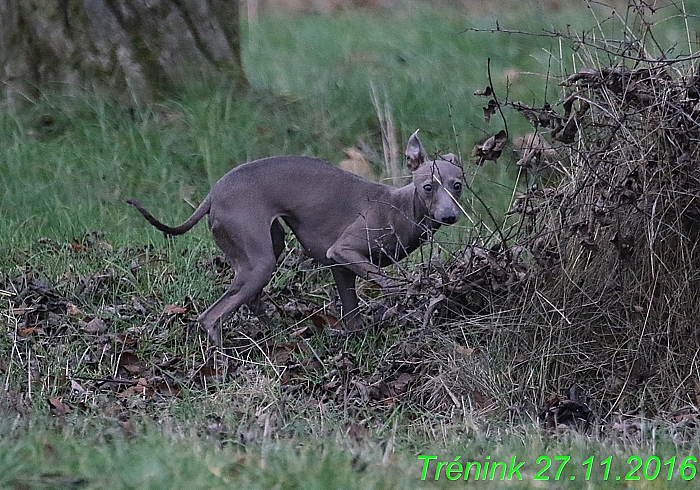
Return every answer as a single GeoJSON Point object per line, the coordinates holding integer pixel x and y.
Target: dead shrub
{"type": "Point", "coordinates": [598, 288]}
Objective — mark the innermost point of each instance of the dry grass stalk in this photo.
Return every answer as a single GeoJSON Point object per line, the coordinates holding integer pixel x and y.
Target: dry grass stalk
{"type": "Point", "coordinates": [392, 154]}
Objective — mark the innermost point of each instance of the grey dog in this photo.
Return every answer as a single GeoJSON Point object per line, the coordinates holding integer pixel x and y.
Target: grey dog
{"type": "Point", "coordinates": [346, 222]}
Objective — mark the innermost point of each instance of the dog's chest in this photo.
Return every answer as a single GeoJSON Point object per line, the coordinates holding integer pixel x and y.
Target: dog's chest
{"type": "Point", "coordinates": [389, 244]}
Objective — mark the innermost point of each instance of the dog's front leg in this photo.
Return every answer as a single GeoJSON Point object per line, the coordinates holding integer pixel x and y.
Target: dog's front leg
{"type": "Point", "coordinates": [345, 282]}
{"type": "Point", "coordinates": [346, 254]}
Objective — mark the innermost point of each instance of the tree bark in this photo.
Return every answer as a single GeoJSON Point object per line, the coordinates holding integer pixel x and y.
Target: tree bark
{"type": "Point", "coordinates": [137, 50]}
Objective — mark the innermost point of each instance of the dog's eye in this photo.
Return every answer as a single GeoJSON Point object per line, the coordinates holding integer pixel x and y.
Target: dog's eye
{"type": "Point", "coordinates": [428, 187]}
{"type": "Point", "coordinates": [457, 186]}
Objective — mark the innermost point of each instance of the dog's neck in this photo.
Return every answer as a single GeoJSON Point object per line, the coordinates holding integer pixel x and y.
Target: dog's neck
{"type": "Point", "coordinates": [422, 225]}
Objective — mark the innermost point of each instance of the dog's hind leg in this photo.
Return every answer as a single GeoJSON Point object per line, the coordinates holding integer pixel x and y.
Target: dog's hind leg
{"type": "Point", "coordinates": [253, 261]}
{"type": "Point", "coordinates": [277, 233]}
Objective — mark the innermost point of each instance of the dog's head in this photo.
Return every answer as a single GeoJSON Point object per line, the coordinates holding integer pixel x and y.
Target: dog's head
{"type": "Point", "coordinates": [438, 182]}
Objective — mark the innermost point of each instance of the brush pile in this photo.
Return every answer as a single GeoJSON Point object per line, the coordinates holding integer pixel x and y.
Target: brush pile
{"type": "Point", "coordinates": [604, 283]}
{"type": "Point", "coordinates": [615, 241]}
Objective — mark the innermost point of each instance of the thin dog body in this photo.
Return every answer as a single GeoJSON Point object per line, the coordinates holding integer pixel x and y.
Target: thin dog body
{"type": "Point", "coordinates": [346, 222]}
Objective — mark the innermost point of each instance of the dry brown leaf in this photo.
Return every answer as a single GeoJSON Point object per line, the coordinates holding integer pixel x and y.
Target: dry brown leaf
{"type": "Point", "coordinates": [174, 310]}
{"type": "Point", "coordinates": [356, 432]}
{"type": "Point", "coordinates": [482, 401]}
{"type": "Point", "coordinates": [209, 374]}
{"type": "Point", "coordinates": [57, 407]}
{"type": "Point", "coordinates": [167, 389]}
{"type": "Point", "coordinates": [128, 428]}
{"type": "Point", "coordinates": [282, 352]}
{"type": "Point", "coordinates": [141, 388]}
{"type": "Point", "coordinates": [131, 363]}
{"type": "Point", "coordinates": [491, 149]}
{"type": "Point", "coordinates": [26, 332]}
{"type": "Point", "coordinates": [399, 386]}
{"type": "Point", "coordinates": [127, 338]}
{"type": "Point", "coordinates": [73, 311]}
{"type": "Point", "coordinates": [490, 110]}
{"type": "Point", "coordinates": [321, 320]}
{"type": "Point", "coordinates": [465, 351]}
{"type": "Point", "coordinates": [96, 326]}
{"type": "Point", "coordinates": [356, 163]}
{"type": "Point", "coordinates": [299, 332]}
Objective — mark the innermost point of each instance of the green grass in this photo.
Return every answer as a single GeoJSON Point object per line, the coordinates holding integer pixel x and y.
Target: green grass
{"type": "Point", "coordinates": [68, 163]}
{"type": "Point", "coordinates": [77, 456]}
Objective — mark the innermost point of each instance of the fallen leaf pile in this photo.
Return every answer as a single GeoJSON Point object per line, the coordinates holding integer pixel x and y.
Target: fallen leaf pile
{"type": "Point", "coordinates": [122, 356]}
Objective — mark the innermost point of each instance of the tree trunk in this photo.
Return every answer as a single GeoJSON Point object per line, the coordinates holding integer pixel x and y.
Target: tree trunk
{"type": "Point", "coordinates": [136, 49]}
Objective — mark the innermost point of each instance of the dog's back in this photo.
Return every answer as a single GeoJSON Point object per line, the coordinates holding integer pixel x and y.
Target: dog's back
{"type": "Point", "coordinates": [315, 198]}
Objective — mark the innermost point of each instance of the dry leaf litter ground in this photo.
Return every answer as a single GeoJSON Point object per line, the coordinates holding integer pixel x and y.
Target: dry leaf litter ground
{"type": "Point", "coordinates": [582, 316]}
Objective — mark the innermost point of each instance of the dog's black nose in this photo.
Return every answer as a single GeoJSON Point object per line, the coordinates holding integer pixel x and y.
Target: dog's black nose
{"type": "Point", "coordinates": [448, 220]}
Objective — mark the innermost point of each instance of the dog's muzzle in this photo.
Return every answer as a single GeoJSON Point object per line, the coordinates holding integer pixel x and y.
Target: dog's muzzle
{"type": "Point", "coordinates": [448, 219]}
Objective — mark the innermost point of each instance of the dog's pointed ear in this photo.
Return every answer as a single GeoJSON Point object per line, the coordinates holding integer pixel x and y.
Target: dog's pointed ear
{"type": "Point", "coordinates": [452, 158]}
{"type": "Point", "coordinates": [415, 154]}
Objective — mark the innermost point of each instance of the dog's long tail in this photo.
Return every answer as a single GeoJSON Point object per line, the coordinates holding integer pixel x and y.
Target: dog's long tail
{"type": "Point", "coordinates": [198, 214]}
